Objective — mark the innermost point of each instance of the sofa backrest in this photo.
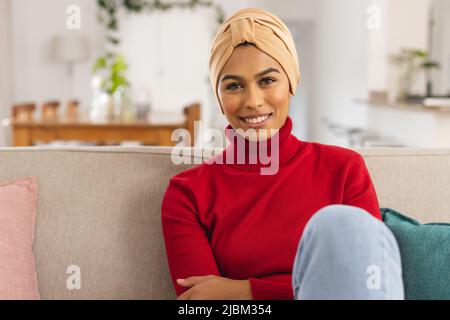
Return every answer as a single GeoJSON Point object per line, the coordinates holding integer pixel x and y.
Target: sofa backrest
{"type": "Point", "coordinates": [99, 209]}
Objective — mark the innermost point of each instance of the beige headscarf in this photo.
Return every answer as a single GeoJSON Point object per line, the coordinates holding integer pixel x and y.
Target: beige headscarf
{"type": "Point", "coordinates": [266, 31]}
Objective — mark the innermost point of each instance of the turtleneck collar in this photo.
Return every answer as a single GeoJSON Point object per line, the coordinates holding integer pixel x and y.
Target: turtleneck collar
{"type": "Point", "coordinates": [258, 154]}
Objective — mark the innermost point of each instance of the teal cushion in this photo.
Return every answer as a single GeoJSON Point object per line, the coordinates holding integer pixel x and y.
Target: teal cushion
{"type": "Point", "coordinates": [425, 253]}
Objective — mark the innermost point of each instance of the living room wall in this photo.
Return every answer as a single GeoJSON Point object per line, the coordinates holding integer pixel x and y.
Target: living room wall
{"type": "Point", "coordinates": [5, 74]}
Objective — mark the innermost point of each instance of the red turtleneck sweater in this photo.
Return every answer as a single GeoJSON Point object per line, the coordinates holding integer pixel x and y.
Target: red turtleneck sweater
{"type": "Point", "coordinates": [232, 221]}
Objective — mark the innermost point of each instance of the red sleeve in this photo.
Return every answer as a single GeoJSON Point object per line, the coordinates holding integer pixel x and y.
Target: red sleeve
{"type": "Point", "coordinates": [359, 190]}
{"type": "Point", "coordinates": [274, 287]}
{"type": "Point", "coordinates": [187, 245]}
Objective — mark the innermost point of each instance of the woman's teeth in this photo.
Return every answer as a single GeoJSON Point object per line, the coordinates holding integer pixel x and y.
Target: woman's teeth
{"type": "Point", "coordinates": [257, 119]}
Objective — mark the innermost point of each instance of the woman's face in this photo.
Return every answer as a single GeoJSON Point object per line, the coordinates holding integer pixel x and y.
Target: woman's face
{"type": "Point", "coordinates": [253, 90]}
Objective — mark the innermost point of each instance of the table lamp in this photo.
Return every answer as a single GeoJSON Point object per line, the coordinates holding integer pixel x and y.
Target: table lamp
{"type": "Point", "coordinates": [70, 49]}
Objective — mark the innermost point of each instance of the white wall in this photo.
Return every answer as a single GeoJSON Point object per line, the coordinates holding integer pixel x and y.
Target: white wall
{"type": "Point", "coordinates": [302, 103]}
{"type": "Point", "coordinates": [441, 47]}
{"type": "Point", "coordinates": [407, 28]}
{"type": "Point", "coordinates": [377, 45]}
{"type": "Point", "coordinates": [341, 66]}
{"type": "Point", "coordinates": [292, 9]}
{"type": "Point", "coordinates": [37, 77]}
{"type": "Point", "coordinates": [168, 56]}
{"type": "Point", "coordinates": [5, 74]}
{"type": "Point", "coordinates": [403, 25]}
{"type": "Point", "coordinates": [353, 59]}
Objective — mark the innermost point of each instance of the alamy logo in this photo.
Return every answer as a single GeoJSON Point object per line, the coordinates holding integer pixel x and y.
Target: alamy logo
{"type": "Point", "coordinates": [374, 280]}
{"type": "Point", "coordinates": [374, 17]}
{"type": "Point", "coordinates": [74, 19]}
{"type": "Point", "coordinates": [74, 280]}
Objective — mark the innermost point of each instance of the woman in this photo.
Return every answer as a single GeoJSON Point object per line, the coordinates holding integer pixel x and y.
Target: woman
{"type": "Point", "coordinates": [310, 229]}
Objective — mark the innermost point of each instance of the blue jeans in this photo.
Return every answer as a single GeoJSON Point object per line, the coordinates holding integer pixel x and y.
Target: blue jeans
{"type": "Point", "coordinates": [346, 253]}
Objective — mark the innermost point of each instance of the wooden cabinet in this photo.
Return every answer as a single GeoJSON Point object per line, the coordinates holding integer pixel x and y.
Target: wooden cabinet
{"type": "Point", "coordinates": [28, 132]}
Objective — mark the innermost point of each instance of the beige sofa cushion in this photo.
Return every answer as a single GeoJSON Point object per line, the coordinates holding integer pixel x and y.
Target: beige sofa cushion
{"type": "Point", "coordinates": [99, 209]}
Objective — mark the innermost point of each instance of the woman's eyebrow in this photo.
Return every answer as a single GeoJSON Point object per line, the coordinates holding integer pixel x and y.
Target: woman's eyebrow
{"type": "Point", "coordinates": [259, 74]}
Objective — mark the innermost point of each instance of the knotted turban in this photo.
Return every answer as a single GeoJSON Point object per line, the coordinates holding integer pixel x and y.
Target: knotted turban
{"type": "Point", "coordinates": [261, 28]}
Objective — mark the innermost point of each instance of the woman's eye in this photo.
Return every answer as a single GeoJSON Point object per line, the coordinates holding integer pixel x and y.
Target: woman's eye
{"type": "Point", "coordinates": [267, 81]}
{"type": "Point", "coordinates": [233, 86]}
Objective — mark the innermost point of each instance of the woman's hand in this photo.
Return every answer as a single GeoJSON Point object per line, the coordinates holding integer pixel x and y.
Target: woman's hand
{"type": "Point", "coordinates": [215, 288]}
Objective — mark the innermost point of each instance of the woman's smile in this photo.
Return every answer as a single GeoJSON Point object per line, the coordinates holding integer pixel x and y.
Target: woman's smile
{"type": "Point", "coordinates": [256, 121]}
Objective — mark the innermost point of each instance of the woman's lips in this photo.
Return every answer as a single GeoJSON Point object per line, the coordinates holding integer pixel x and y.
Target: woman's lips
{"type": "Point", "coordinates": [257, 122]}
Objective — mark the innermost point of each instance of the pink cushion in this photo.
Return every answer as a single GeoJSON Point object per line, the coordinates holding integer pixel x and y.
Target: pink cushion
{"type": "Point", "coordinates": [18, 200]}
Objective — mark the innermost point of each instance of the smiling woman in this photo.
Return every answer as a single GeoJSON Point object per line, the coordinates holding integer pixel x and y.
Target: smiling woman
{"type": "Point", "coordinates": [254, 95]}
{"type": "Point", "coordinates": [251, 97]}
{"type": "Point", "coordinates": [233, 230]}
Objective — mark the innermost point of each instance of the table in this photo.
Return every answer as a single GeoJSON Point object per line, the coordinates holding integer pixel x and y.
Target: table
{"type": "Point", "coordinates": [29, 132]}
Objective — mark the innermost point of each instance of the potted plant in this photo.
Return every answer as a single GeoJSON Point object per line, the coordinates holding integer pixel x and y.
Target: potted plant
{"type": "Point", "coordinates": [412, 62]}
{"type": "Point", "coordinates": [110, 84]}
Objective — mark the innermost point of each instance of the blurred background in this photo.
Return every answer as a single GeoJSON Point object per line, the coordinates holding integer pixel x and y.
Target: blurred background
{"type": "Point", "coordinates": [88, 72]}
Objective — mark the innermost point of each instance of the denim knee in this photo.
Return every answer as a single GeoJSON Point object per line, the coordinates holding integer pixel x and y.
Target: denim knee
{"type": "Point", "coordinates": [340, 224]}
{"type": "Point", "coordinates": [338, 236]}
{"type": "Point", "coordinates": [332, 217]}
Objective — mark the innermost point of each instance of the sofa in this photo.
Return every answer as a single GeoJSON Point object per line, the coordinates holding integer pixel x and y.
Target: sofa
{"type": "Point", "coordinates": [99, 209]}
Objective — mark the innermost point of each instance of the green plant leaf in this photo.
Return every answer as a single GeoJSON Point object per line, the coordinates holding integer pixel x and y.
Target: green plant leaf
{"type": "Point", "coordinates": [100, 64]}
{"type": "Point", "coordinates": [420, 53]}
{"type": "Point", "coordinates": [113, 40]}
{"type": "Point", "coordinates": [430, 65]}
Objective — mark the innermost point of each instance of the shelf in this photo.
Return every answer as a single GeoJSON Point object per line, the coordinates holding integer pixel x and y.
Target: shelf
{"type": "Point", "coordinates": [402, 106]}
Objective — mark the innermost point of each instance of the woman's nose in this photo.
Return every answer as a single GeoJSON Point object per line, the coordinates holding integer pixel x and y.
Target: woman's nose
{"type": "Point", "coordinates": [253, 97]}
